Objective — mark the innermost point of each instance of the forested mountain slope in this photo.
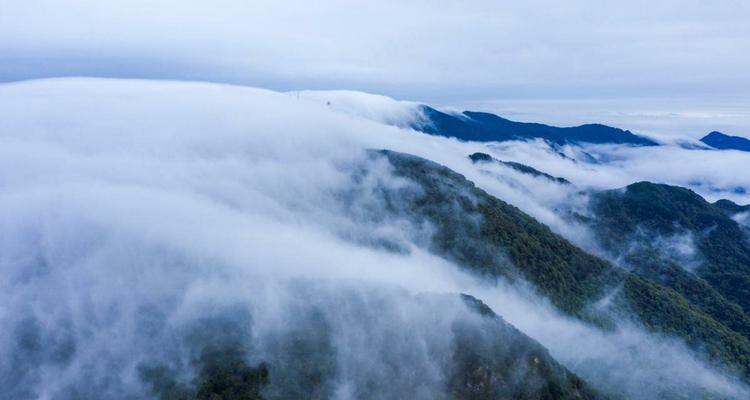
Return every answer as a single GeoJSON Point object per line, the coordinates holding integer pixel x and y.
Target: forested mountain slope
{"type": "Point", "coordinates": [642, 218]}
{"type": "Point", "coordinates": [494, 239]}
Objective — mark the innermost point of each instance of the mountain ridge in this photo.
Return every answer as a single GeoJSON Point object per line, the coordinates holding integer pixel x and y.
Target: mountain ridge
{"type": "Point", "coordinates": [486, 127]}
{"type": "Point", "coordinates": [522, 168]}
{"type": "Point", "coordinates": [673, 236]}
{"type": "Point", "coordinates": [509, 244]}
{"type": "Point", "coordinates": [723, 141]}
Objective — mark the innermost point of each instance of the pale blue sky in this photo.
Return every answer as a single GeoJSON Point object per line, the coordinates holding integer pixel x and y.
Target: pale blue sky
{"type": "Point", "coordinates": [670, 66]}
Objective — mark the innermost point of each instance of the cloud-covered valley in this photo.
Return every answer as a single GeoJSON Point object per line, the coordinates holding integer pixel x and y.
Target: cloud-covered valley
{"type": "Point", "coordinates": [141, 221]}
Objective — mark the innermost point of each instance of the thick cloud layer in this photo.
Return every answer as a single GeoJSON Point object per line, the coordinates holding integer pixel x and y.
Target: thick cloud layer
{"type": "Point", "coordinates": [707, 172]}
{"type": "Point", "coordinates": [135, 213]}
{"type": "Point", "coordinates": [638, 63]}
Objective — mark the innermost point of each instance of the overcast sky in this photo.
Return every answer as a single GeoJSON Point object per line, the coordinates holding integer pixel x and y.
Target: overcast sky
{"type": "Point", "coordinates": [670, 66]}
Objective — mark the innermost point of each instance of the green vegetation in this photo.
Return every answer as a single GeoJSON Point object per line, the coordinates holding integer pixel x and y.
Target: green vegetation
{"type": "Point", "coordinates": [730, 207]}
{"type": "Point", "coordinates": [489, 358]}
{"type": "Point", "coordinates": [226, 376]}
{"type": "Point", "coordinates": [494, 239]}
{"type": "Point", "coordinates": [663, 210]}
{"type": "Point", "coordinates": [223, 375]}
{"type": "Point", "coordinates": [696, 290]}
{"type": "Point", "coordinates": [645, 212]}
{"type": "Point", "coordinates": [496, 361]}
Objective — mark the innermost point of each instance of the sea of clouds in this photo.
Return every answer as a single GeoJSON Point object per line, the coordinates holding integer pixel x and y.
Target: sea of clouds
{"type": "Point", "coordinates": [140, 218]}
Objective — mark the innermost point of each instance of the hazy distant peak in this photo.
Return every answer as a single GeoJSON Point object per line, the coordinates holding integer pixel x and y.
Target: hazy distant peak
{"type": "Point", "coordinates": [488, 127]}
{"type": "Point", "coordinates": [722, 141]}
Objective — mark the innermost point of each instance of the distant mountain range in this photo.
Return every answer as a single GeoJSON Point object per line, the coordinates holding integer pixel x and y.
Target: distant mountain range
{"type": "Point", "coordinates": [487, 127]}
{"type": "Point", "coordinates": [721, 141]}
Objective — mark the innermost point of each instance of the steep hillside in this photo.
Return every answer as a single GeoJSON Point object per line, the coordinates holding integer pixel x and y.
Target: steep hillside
{"type": "Point", "coordinates": [494, 239]}
{"type": "Point", "coordinates": [486, 358]}
{"type": "Point", "coordinates": [644, 212]}
{"type": "Point", "coordinates": [180, 240]}
{"type": "Point", "coordinates": [496, 361]}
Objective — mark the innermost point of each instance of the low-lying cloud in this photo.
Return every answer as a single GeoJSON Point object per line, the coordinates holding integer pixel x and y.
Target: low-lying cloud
{"type": "Point", "coordinates": [139, 220]}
